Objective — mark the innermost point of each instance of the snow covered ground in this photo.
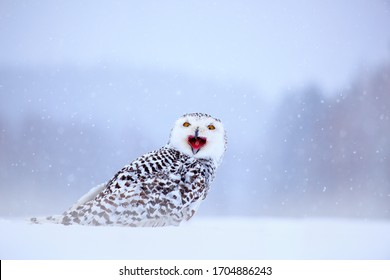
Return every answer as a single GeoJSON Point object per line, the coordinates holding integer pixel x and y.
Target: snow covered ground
{"type": "Point", "coordinates": [202, 238]}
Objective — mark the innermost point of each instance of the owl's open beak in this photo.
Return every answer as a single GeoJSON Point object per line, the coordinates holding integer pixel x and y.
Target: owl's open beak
{"type": "Point", "coordinates": [196, 142]}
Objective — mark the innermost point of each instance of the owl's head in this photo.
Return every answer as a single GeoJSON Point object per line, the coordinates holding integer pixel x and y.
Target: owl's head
{"type": "Point", "coordinates": [200, 136]}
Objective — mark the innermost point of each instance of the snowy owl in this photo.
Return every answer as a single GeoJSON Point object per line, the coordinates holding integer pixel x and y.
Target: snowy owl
{"type": "Point", "coordinates": [160, 188]}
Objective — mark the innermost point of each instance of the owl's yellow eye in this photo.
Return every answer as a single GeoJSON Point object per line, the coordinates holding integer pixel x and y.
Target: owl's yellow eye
{"type": "Point", "coordinates": [211, 127]}
{"type": "Point", "coordinates": [186, 124]}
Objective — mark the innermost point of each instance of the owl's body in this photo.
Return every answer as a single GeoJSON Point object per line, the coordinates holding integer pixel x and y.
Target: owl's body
{"type": "Point", "coordinates": [161, 188]}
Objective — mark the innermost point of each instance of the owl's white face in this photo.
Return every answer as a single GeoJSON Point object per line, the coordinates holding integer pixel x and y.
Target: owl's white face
{"type": "Point", "coordinates": [200, 136]}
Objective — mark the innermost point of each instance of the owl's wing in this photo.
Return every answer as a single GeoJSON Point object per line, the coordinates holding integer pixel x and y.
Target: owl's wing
{"type": "Point", "coordinates": [131, 188]}
{"type": "Point", "coordinates": [148, 165]}
{"type": "Point", "coordinates": [151, 165]}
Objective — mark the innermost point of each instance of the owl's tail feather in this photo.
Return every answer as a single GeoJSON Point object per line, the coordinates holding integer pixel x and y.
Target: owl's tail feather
{"type": "Point", "coordinates": [56, 219]}
{"type": "Point", "coordinates": [64, 219]}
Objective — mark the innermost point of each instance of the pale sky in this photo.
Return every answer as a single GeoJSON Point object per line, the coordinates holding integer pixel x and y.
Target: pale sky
{"type": "Point", "coordinates": [268, 45]}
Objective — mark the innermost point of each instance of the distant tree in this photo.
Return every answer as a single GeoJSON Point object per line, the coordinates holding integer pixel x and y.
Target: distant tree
{"type": "Point", "coordinates": [362, 134]}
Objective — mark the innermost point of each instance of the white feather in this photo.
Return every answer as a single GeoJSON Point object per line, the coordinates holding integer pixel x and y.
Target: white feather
{"type": "Point", "coordinates": [90, 195]}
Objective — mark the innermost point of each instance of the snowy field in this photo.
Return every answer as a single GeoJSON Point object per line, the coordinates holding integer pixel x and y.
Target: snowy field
{"type": "Point", "coordinates": [203, 238]}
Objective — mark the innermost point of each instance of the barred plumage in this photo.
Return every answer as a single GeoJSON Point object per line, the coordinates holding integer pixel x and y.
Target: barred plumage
{"type": "Point", "coordinates": [163, 187]}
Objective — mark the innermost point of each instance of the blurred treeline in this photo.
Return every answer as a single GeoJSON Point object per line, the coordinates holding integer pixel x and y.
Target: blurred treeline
{"type": "Point", "coordinates": [332, 152]}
